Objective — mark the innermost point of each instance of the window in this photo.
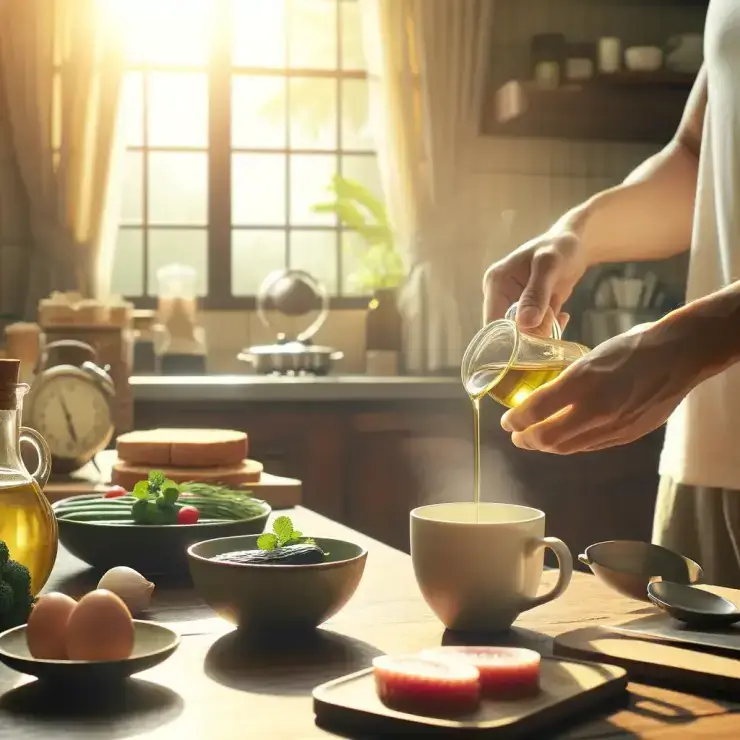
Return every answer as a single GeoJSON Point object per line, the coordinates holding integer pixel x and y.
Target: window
{"type": "Point", "coordinates": [238, 113]}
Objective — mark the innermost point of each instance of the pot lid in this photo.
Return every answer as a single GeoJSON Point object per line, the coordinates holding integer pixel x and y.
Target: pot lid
{"type": "Point", "coordinates": [297, 294]}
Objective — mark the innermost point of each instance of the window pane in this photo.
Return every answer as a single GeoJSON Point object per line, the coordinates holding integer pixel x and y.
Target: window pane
{"type": "Point", "coordinates": [363, 168]}
{"type": "Point", "coordinates": [353, 53]}
{"type": "Point", "coordinates": [258, 189]}
{"type": "Point", "coordinates": [132, 104]}
{"type": "Point", "coordinates": [254, 255]}
{"type": "Point", "coordinates": [356, 133]}
{"type": "Point", "coordinates": [313, 113]}
{"type": "Point", "coordinates": [166, 31]}
{"type": "Point", "coordinates": [312, 34]}
{"type": "Point", "coordinates": [128, 263]}
{"type": "Point", "coordinates": [182, 246]}
{"type": "Point", "coordinates": [132, 197]}
{"type": "Point", "coordinates": [310, 176]}
{"type": "Point", "coordinates": [178, 109]}
{"type": "Point", "coordinates": [258, 112]}
{"type": "Point", "coordinates": [178, 188]}
{"type": "Point", "coordinates": [259, 33]}
{"type": "Point", "coordinates": [316, 253]}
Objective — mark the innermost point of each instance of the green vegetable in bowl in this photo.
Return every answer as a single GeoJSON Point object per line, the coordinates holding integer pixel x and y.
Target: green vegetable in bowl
{"type": "Point", "coordinates": [158, 500]}
{"type": "Point", "coordinates": [15, 591]}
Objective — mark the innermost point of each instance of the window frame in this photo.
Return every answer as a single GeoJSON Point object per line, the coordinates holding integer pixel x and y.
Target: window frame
{"type": "Point", "coordinates": [220, 72]}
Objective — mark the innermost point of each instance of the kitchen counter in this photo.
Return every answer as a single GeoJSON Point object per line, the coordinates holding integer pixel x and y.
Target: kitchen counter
{"type": "Point", "coordinates": [258, 388]}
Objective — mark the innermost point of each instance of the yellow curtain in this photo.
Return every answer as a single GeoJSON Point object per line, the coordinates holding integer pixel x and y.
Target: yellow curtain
{"type": "Point", "coordinates": [61, 67]}
{"type": "Point", "coordinates": [427, 62]}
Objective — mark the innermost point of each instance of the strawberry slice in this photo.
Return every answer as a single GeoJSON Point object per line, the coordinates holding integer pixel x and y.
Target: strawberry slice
{"type": "Point", "coordinates": [426, 685]}
{"type": "Point", "coordinates": [505, 672]}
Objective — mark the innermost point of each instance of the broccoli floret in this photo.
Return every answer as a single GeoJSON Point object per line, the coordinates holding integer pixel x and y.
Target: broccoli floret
{"type": "Point", "coordinates": [18, 577]}
{"type": "Point", "coordinates": [7, 602]}
{"type": "Point", "coordinates": [15, 594]}
{"type": "Point", "coordinates": [4, 553]}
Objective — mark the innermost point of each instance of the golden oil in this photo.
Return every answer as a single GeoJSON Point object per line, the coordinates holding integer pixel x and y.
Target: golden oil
{"type": "Point", "coordinates": [509, 386]}
{"type": "Point", "coordinates": [29, 528]}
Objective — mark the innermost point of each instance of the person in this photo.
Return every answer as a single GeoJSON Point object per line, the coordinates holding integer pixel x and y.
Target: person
{"type": "Point", "coordinates": [683, 368]}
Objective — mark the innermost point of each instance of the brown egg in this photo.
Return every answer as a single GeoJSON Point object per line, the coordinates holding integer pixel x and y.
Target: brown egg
{"type": "Point", "coordinates": [46, 631]}
{"type": "Point", "coordinates": [100, 628]}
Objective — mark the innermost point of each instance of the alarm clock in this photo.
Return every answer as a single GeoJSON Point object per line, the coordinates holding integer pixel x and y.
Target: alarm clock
{"type": "Point", "coordinates": [71, 404]}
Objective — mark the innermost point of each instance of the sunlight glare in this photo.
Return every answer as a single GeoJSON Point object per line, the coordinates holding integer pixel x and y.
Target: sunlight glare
{"type": "Point", "coordinates": [165, 31]}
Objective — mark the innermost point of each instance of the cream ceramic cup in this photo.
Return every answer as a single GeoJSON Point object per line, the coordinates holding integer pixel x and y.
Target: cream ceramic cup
{"type": "Point", "coordinates": [479, 576]}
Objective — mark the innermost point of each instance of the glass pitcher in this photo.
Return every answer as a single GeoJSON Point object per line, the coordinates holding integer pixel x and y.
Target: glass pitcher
{"type": "Point", "coordinates": [27, 523]}
{"type": "Point", "coordinates": [509, 364]}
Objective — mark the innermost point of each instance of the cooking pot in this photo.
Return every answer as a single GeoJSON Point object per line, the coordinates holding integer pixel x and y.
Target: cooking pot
{"type": "Point", "coordinates": [290, 291]}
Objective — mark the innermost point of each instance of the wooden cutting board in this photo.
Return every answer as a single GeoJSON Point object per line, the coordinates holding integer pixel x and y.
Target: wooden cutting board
{"type": "Point", "coordinates": [569, 689]}
{"type": "Point", "coordinates": [648, 660]}
{"type": "Point", "coordinates": [279, 492]}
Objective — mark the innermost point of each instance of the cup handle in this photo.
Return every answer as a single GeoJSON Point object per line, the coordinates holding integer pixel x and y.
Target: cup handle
{"type": "Point", "coordinates": [43, 469]}
{"type": "Point", "coordinates": [565, 568]}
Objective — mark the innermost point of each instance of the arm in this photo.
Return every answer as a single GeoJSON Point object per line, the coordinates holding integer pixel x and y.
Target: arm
{"type": "Point", "coordinates": [620, 224]}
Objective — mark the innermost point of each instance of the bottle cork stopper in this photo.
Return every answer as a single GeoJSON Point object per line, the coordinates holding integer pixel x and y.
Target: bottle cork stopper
{"type": "Point", "coordinates": [9, 372]}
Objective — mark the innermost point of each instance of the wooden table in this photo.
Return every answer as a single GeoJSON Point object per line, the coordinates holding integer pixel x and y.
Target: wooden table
{"type": "Point", "coordinates": [212, 688]}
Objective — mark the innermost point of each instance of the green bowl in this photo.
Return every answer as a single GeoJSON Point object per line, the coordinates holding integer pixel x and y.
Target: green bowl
{"type": "Point", "coordinates": [153, 643]}
{"type": "Point", "coordinates": [276, 598]}
{"type": "Point", "coordinates": [152, 549]}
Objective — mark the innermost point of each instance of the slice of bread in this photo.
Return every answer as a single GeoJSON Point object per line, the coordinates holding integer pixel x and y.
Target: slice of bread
{"type": "Point", "coordinates": [249, 471]}
{"type": "Point", "coordinates": [191, 448]}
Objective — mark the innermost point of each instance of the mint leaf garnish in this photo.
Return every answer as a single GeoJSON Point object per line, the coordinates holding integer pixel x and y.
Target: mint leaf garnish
{"type": "Point", "coordinates": [282, 535]}
{"type": "Point", "coordinates": [156, 479]}
{"type": "Point", "coordinates": [283, 529]}
{"type": "Point", "coordinates": [141, 490]}
{"type": "Point", "coordinates": [267, 541]}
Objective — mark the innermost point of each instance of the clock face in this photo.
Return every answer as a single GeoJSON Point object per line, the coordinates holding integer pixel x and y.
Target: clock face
{"type": "Point", "coordinates": [73, 415]}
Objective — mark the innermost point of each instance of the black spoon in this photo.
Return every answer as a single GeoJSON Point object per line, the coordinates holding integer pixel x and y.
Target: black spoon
{"type": "Point", "coordinates": [693, 606]}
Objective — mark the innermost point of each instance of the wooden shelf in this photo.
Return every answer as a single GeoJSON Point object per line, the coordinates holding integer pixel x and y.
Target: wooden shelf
{"type": "Point", "coordinates": [625, 106]}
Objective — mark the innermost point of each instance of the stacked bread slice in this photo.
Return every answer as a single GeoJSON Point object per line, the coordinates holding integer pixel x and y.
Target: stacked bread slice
{"type": "Point", "coordinates": [203, 455]}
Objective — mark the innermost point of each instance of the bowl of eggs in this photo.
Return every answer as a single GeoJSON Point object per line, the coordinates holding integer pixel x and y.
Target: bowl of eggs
{"type": "Point", "coordinates": [92, 640]}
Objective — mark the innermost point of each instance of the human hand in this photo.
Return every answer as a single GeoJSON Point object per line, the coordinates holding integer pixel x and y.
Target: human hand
{"type": "Point", "coordinates": [625, 388]}
{"type": "Point", "coordinates": [540, 275]}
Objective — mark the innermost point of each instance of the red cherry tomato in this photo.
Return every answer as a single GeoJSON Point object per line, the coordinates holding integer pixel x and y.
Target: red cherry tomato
{"type": "Point", "coordinates": [115, 492]}
{"type": "Point", "coordinates": [188, 515]}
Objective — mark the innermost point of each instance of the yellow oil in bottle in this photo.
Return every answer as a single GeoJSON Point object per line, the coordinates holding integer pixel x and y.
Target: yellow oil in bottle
{"type": "Point", "coordinates": [28, 527]}
{"type": "Point", "coordinates": [509, 387]}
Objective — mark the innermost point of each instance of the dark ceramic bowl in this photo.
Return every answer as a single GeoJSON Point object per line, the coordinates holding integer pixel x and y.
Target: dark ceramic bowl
{"type": "Point", "coordinates": [151, 549]}
{"type": "Point", "coordinates": [276, 598]}
{"type": "Point", "coordinates": [628, 566]}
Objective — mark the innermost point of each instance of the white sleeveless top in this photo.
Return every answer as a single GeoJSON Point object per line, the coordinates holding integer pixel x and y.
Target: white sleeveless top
{"type": "Point", "coordinates": [702, 442]}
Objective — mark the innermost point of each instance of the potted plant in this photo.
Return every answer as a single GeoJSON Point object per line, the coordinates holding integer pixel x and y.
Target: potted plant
{"type": "Point", "coordinates": [381, 269]}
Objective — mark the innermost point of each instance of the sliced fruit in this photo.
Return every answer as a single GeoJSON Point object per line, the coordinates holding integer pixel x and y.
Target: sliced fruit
{"type": "Point", "coordinates": [427, 686]}
{"type": "Point", "coordinates": [505, 672]}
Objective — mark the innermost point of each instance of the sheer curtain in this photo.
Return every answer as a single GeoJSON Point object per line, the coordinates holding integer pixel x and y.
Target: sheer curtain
{"type": "Point", "coordinates": [427, 62]}
{"type": "Point", "coordinates": [69, 217]}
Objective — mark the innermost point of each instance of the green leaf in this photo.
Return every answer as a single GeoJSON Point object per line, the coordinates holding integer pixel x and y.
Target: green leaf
{"type": "Point", "coordinates": [308, 541]}
{"type": "Point", "coordinates": [156, 478]}
{"type": "Point", "coordinates": [283, 528]}
{"type": "Point", "coordinates": [141, 490]}
{"type": "Point", "coordinates": [170, 494]}
{"type": "Point", "coordinates": [267, 541]}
